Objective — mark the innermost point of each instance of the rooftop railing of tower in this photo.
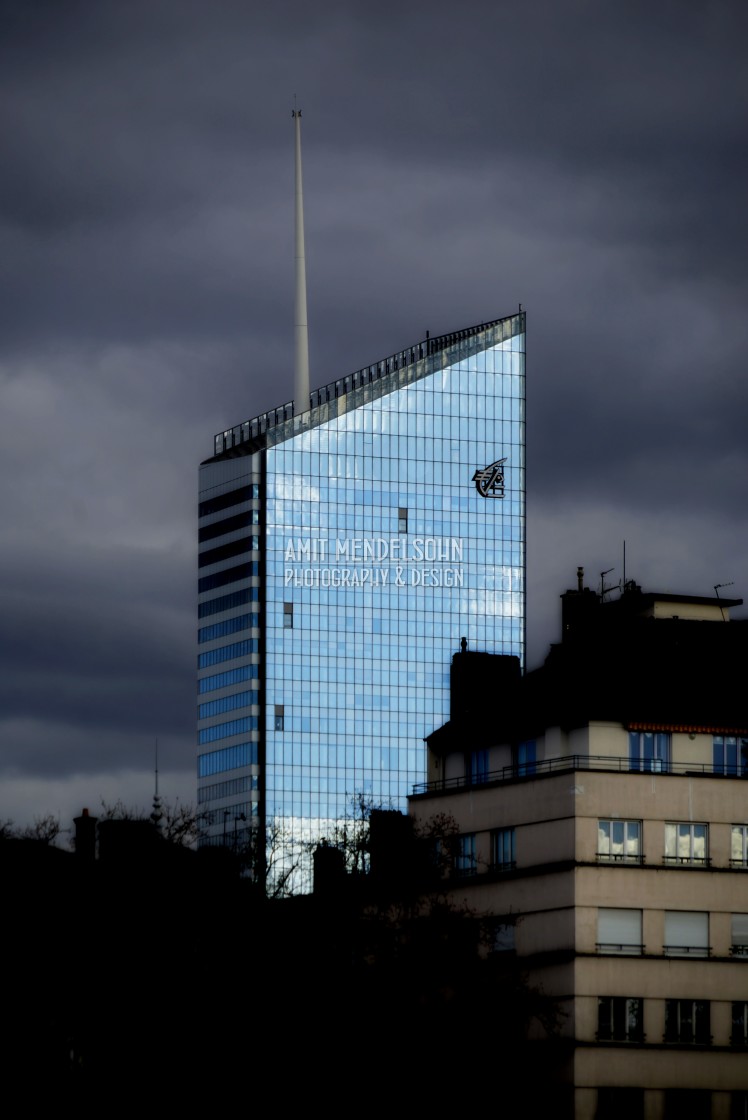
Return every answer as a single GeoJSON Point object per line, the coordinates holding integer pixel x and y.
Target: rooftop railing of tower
{"type": "Point", "coordinates": [255, 429]}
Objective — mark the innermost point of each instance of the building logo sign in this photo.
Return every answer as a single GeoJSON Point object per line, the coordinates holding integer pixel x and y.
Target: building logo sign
{"type": "Point", "coordinates": [373, 562]}
{"type": "Point", "coordinates": [489, 481]}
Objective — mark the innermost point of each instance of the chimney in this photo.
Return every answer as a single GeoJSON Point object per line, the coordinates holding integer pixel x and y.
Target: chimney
{"type": "Point", "coordinates": [85, 836]}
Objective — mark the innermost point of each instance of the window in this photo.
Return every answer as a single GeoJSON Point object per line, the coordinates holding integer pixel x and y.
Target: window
{"type": "Point", "coordinates": [649, 750]}
{"type": "Point", "coordinates": [241, 811]}
{"type": "Point", "coordinates": [688, 1104]}
{"type": "Point", "coordinates": [686, 934]}
{"type": "Point", "coordinates": [730, 753]}
{"type": "Point", "coordinates": [739, 1034]}
{"type": "Point", "coordinates": [739, 943]}
{"type": "Point", "coordinates": [619, 931]}
{"type": "Point", "coordinates": [228, 788]}
{"type": "Point", "coordinates": [620, 1104]}
{"type": "Point", "coordinates": [739, 846]}
{"type": "Point", "coordinates": [402, 520]}
{"type": "Point", "coordinates": [230, 676]}
{"type": "Point", "coordinates": [227, 704]}
{"type": "Point", "coordinates": [526, 757]}
{"type": "Point", "coordinates": [228, 602]}
{"type": "Point", "coordinates": [619, 1019]}
{"type": "Point", "coordinates": [288, 616]}
{"type": "Point", "coordinates": [686, 843]}
{"type": "Point", "coordinates": [229, 626]}
{"type": "Point", "coordinates": [687, 1020]}
{"type": "Point", "coordinates": [227, 758]}
{"type": "Point", "coordinates": [619, 841]}
{"type": "Point", "coordinates": [739, 1105]}
{"type": "Point", "coordinates": [279, 717]}
{"type": "Point", "coordinates": [466, 863]}
{"type": "Point", "coordinates": [228, 525]}
{"type": "Point", "coordinates": [502, 849]}
{"type": "Point", "coordinates": [227, 653]}
{"type": "Point", "coordinates": [226, 730]}
{"type": "Point", "coordinates": [478, 767]}
{"type": "Point", "coordinates": [500, 935]}
{"type": "Point", "coordinates": [225, 551]}
{"type": "Point", "coordinates": [232, 498]}
{"type": "Point", "coordinates": [228, 575]}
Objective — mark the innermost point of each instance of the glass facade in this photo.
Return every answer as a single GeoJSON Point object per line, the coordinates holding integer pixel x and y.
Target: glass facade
{"type": "Point", "coordinates": [390, 524]}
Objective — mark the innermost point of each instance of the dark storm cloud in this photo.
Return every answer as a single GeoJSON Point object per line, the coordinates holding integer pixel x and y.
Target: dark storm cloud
{"type": "Point", "coordinates": [587, 159]}
{"type": "Point", "coordinates": [99, 641]}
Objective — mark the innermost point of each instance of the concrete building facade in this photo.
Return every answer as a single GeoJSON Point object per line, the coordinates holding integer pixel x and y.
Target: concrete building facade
{"type": "Point", "coordinates": [601, 806]}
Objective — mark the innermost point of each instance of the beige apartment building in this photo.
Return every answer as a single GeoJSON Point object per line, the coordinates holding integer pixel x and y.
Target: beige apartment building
{"type": "Point", "coordinates": [601, 803]}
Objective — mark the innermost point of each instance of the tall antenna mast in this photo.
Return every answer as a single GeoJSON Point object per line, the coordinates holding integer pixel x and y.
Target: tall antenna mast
{"type": "Point", "coordinates": [301, 357]}
{"type": "Point", "coordinates": [157, 815]}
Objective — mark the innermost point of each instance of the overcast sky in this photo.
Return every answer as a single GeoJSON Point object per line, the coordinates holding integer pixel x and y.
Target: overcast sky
{"type": "Point", "coordinates": [587, 159]}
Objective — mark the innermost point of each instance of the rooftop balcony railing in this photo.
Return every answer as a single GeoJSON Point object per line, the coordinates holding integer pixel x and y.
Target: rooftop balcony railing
{"type": "Point", "coordinates": [257, 428]}
{"type": "Point", "coordinates": [548, 766]}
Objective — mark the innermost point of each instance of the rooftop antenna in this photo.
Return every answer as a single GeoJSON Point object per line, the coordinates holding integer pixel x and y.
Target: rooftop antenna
{"type": "Point", "coordinates": [624, 564]}
{"type": "Point", "coordinates": [156, 815]}
{"type": "Point", "coordinates": [301, 356]}
{"type": "Point", "coordinates": [716, 592]}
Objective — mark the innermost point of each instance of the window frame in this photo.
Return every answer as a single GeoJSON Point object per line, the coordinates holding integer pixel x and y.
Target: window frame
{"type": "Point", "coordinates": [742, 830]}
{"type": "Point", "coordinates": [478, 767]}
{"type": "Point", "coordinates": [614, 1026]}
{"type": "Point", "coordinates": [501, 934]}
{"type": "Point", "coordinates": [721, 763]}
{"type": "Point", "coordinates": [690, 950]}
{"type": "Point", "coordinates": [612, 915]}
{"type": "Point", "coordinates": [739, 936]}
{"type": "Point", "coordinates": [466, 862]}
{"type": "Point", "coordinates": [679, 1013]}
{"type": "Point", "coordinates": [625, 856]}
{"type": "Point", "coordinates": [646, 757]}
{"type": "Point", "coordinates": [526, 755]}
{"type": "Point", "coordinates": [739, 1015]}
{"type": "Point", "coordinates": [499, 838]}
{"type": "Point", "coordinates": [686, 830]}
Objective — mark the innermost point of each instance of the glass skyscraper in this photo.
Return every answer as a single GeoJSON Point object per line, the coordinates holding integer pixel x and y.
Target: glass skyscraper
{"type": "Point", "coordinates": [345, 551]}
